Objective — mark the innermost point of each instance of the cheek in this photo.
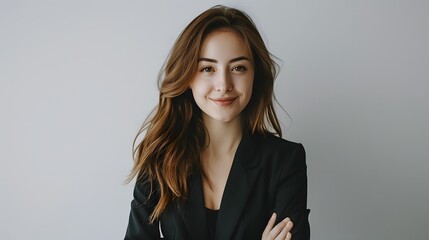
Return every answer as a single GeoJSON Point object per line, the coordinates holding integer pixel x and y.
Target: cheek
{"type": "Point", "coordinates": [248, 91]}
{"type": "Point", "coordinates": [245, 87]}
{"type": "Point", "coordinates": [250, 88]}
{"type": "Point", "coordinates": [199, 88]}
{"type": "Point", "coordinates": [198, 92]}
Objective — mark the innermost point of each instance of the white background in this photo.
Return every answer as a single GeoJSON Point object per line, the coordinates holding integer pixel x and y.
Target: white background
{"type": "Point", "coordinates": [79, 77]}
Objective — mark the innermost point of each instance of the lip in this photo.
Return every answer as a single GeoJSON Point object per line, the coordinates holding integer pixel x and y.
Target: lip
{"type": "Point", "coordinates": [224, 101]}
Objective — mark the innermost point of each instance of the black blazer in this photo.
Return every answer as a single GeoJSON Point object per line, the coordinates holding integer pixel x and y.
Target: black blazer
{"type": "Point", "coordinates": [268, 174]}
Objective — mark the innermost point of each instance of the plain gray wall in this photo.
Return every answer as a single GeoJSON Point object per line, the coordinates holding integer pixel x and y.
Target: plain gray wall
{"type": "Point", "coordinates": [79, 77]}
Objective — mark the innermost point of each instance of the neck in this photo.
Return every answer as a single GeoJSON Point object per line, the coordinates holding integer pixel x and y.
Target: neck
{"type": "Point", "coordinates": [224, 137]}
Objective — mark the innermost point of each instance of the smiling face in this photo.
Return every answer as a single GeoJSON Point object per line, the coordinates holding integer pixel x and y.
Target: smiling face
{"type": "Point", "coordinates": [222, 86]}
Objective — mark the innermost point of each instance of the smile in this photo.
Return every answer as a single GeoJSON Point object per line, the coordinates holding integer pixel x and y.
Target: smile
{"type": "Point", "coordinates": [224, 101]}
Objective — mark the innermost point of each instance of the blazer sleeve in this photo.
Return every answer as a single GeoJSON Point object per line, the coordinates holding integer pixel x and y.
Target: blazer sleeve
{"type": "Point", "coordinates": [291, 197]}
{"type": "Point", "coordinates": [141, 208]}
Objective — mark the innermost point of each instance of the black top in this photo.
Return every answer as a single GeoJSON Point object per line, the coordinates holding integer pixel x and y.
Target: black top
{"type": "Point", "coordinates": [268, 174]}
{"type": "Point", "coordinates": [211, 222]}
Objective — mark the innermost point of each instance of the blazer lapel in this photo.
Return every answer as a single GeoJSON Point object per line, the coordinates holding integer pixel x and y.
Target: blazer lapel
{"type": "Point", "coordinates": [242, 176]}
{"type": "Point", "coordinates": [193, 214]}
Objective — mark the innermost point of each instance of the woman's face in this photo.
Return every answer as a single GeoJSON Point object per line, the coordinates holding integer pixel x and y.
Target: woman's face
{"type": "Point", "coordinates": [222, 86]}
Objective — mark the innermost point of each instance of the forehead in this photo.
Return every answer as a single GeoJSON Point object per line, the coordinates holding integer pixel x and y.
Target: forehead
{"type": "Point", "coordinates": [224, 44]}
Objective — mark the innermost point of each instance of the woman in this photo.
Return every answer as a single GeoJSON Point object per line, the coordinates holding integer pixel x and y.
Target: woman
{"type": "Point", "coordinates": [209, 166]}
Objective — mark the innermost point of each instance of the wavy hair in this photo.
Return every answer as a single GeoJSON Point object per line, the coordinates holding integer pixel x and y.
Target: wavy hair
{"type": "Point", "coordinates": [174, 132]}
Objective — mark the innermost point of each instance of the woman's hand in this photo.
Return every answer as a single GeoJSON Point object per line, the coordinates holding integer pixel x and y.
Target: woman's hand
{"type": "Point", "coordinates": [279, 232]}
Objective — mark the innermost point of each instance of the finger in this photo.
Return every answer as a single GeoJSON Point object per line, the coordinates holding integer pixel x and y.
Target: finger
{"type": "Point", "coordinates": [289, 225]}
{"type": "Point", "coordinates": [269, 225]}
{"type": "Point", "coordinates": [289, 236]}
{"type": "Point", "coordinates": [285, 231]}
{"type": "Point", "coordinates": [282, 235]}
{"type": "Point", "coordinates": [278, 228]}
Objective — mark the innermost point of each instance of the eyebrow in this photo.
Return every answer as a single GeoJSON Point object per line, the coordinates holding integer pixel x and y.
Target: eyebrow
{"type": "Point", "coordinates": [230, 61]}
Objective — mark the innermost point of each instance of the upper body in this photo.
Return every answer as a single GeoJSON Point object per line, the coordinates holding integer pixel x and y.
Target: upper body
{"type": "Point", "coordinates": [268, 175]}
{"type": "Point", "coordinates": [214, 143]}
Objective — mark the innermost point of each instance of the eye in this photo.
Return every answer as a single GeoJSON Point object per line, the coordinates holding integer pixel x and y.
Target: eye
{"type": "Point", "coordinates": [239, 68]}
{"type": "Point", "coordinates": [206, 69]}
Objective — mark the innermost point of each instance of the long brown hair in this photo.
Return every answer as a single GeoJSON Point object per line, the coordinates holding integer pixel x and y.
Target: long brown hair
{"type": "Point", "coordinates": [174, 132]}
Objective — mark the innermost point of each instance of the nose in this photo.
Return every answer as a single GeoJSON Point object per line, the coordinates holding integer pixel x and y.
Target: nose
{"type": "Point", "coordinates": [223, 81]}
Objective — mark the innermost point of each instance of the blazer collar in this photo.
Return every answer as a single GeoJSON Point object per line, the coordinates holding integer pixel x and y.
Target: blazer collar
{"type": "Point", "coordinates": [244, 171]}
{"type": "Point", "coordinates": [194, 215]}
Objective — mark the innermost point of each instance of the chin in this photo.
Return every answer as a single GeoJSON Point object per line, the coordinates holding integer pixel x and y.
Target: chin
{"type": "Point", "coordinates": [224, 119]}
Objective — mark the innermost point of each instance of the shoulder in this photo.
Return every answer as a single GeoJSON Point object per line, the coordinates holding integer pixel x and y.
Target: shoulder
{"type": "Point", "coordinates": [279, 152]}
{"type": "Point", "coordinates": [274, 145]}
{"type": "Point", "coordinates": [146, 192]}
